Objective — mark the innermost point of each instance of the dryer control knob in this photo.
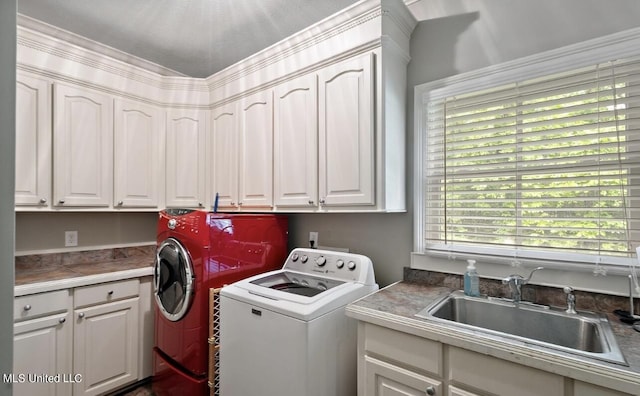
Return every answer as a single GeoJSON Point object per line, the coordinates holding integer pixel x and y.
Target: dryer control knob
{"type": "Point", "coordinates": [321, 261]}
{"type": "Point", "coordinates": [172, 224]}
{"type": "Point", "coordinates": [304, 258]}
{"type": "Point", "coordinates": [351, 265]}
{"type": "Point", "coordinates": [340, 263]}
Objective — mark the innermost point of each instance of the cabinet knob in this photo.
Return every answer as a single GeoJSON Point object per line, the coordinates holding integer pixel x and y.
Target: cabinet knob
{"type": "Point", "coordinates": [27, 307]}
{"type": "Point", "coordinates": [431, 391]}
{"type": "Point", "coordinates": [62, 320]}
{"type": "Point", "coordinates": [110, 293]}
{"type": "Point", "coordinates": [200, 204]}
{"type": "Point", "coordinates": [233, 204]}
{"type": "Point", "coordinates": [239, 203]}
{"type": "Point", "coordinates": [43, 201]}
{"type": "Point", "coordinates": [61, 201]}
{"type": "Point", "coordinates": [322, 202]}
{"type": "Point", "coordinates": [81, 315]}
{"type": "Point", "coordinates": [310, 202]}
{"type": "Point", "coordinates": [120, 203]}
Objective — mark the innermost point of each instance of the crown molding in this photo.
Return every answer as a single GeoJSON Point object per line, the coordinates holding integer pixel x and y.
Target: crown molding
{"type": "Point", "coordinates": [97, 47]}
{"type": "Point", "coordinates": [70, 57]}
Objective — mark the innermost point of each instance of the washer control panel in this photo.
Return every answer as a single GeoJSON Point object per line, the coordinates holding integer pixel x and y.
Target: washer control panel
{"type": "Point", "coordinates": [339, 265]}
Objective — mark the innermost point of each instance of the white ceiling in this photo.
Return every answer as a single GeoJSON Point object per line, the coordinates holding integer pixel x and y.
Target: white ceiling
{"type": "Point", "coordinates": [195, 38]}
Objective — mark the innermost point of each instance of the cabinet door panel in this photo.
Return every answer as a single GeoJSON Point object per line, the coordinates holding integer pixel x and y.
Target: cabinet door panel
{"type": "Point", "coordinates": [224, 155]}
{"type": "Point", "coordinates": [256, 151]}
{"type": "Point", "coordinates": [33, 140]}
{"type": "Point", "coordinates": [384, 379]}
{"type": "Point", "coordinates": [138, 132]}
{"type": "Point", "coordinates": [42, 346]}
{"type": "Point", "coordinates": [296, 143]}
{"type": "Point", "coordinates": [346, 133]}
{"type": "Point", "coordinates": [185, 158]}
{"type": "Point", "coordinates": [106, 346]}
{"type": "Point", "coordinates": [83, 147]}
{"type": "Point", "coordinates": [500, 377]}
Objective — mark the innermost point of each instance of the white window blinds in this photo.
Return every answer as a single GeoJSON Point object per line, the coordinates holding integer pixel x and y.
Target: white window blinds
{"type": "Point", "coordinates": [548, 164]}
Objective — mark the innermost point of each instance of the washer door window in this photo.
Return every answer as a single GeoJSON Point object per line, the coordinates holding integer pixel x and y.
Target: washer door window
{"type": "Point", "coordinates": [173, 278]}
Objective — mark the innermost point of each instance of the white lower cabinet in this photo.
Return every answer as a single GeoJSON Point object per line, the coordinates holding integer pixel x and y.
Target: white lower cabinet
{"type": "Point", "coordinates": [82, 341]}
{"type": "Point", "coordinates": [385, 379]}
{"type": "Point", "coordinates": [42, 342]}
{"type": "Point", "coordinates": [106, 346]}
{"type": "Point", "coordinates": [475, 371]}
{"type": "Point", "coordinates": [392, 362]}
{"type": "Point", "coordinates": [453, 391]}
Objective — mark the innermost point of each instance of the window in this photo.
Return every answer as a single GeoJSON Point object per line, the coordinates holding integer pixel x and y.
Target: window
{"type": "Point", "coordinates": [543, 167]}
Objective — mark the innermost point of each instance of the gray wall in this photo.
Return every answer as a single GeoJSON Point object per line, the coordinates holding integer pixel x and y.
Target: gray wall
{"type": "Point", "coordinates": [45, 231]}
{"type": "Point", "coordinates": [7, 170]}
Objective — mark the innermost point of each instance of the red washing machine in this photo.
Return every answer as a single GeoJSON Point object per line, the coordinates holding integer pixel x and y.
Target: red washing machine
{"type": "Point", "coordinates": [197, 251]}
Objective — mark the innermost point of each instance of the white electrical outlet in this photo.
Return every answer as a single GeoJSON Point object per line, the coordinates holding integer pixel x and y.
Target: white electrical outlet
{"type": "Point", "coordinates": [313, 239]}
{"type": "Point", "coordinates": [71, 238]}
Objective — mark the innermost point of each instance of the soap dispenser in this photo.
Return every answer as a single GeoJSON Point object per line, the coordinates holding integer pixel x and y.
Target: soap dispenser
{"type": "Point", "coordinates": [471, 280]}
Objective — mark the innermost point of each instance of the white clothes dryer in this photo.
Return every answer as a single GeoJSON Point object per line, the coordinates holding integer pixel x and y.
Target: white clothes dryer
{"type": "Point", "coordinates": [285, 332]}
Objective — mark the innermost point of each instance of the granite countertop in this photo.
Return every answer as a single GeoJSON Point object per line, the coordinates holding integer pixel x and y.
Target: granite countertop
{"type": "Point", "coordinates": [396, 305]}
{"type": "Point", "coordinates": [47, 272]}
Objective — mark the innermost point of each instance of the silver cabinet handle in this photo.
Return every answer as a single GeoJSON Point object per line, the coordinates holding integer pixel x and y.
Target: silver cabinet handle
{"type": "Point", "coordinates": [322, 202]}
{"type": "Point", "coordinates": [120, 203]}
{"type": "Point", "coordinates": [110, 293]}
{"type": "Point", "coordinates": [200, 204]}
{"type": "Point", "coordinates": [61, 201]}
{"type": "Point", "coordinates": [310, 202]}
{"type": "Point", "coordinates": [239, 203]}
{"type": "Point", "coordinates": [27, 307]}
{"type": "Point", "coordinates": [233, 204]}
{"type": "Point", "coordinates": [43, 201]}
{"type": "Point", "coordinates": [81, 315]}
{"type": "Point", "coordinates": [62, 320]}
{"type": "Point", "coordinates": [431, 391]}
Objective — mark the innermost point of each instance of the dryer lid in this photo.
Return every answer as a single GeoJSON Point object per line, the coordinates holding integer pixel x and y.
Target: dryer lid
{"type": "Point", "coordinates": [173, 279]}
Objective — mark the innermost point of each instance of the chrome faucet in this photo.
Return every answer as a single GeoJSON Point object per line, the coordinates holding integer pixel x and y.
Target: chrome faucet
{"type": "Point", "coordinates": [516, 282]}
{"type": "Point", "coordinates": [571, 300]}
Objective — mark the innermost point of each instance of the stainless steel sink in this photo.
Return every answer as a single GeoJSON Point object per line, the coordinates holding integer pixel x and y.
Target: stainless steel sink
{"type": "Point", "coordinates": [585, 333]}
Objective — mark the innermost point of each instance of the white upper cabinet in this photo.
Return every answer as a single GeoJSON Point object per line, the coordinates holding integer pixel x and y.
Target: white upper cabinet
{"type": "Point", "coordinates": [256, 151]}
{"type": "Point", "coordinates": [241, 147]}
{"type": "Point", "coordinates": [223, 145]}
{"type": "Point", "coordinates": [295, 147]}
{"type": "Point", "coordinates": [138, 137]}
{"type": "Point", "coordinates": [347, 133]}
{"type": "Point", "coordinates": [82, 147]}
{"type": "Point", "coordinates": [33, 141]}
{"type": "Point", "coordinates": [185, 158]}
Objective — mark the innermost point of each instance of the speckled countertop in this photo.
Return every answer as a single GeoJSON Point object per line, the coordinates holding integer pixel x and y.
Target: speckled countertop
{"type": "Point", "coordinates": [396, 305]}
{"type": "Point", "coordinates": [47, 272]}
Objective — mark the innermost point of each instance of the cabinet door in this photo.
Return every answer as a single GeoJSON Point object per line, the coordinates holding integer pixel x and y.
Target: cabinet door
{"type": "Point", "coordinates": [256, 151]}
{"type": "Point", "coordinates": [185, 158]}
{"type": "Point", "coordinates": [82, 147]}
{"type": "Point", "coordinates": [138, 131]}
{"type": "Point", "coordinates": [33, 141]}
{"type": "Point", "coordinates": [43, 347]}
{"type": "Point", "coordinates": [224, 155]}
{"type": "Point", "coordinates": [453, 391]}
{"type": "Point", "coordinates": [384, 379]}
{"type": "Point", "coordinates": [346, 133]}
{"type": "Point", "coordinates": [106, 346]}
{"type": "Point", "coordinates": [296, 143]}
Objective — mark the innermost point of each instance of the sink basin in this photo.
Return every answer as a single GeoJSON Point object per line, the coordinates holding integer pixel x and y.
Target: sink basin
{"type": "Point", "coordinates": [585, 333]}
